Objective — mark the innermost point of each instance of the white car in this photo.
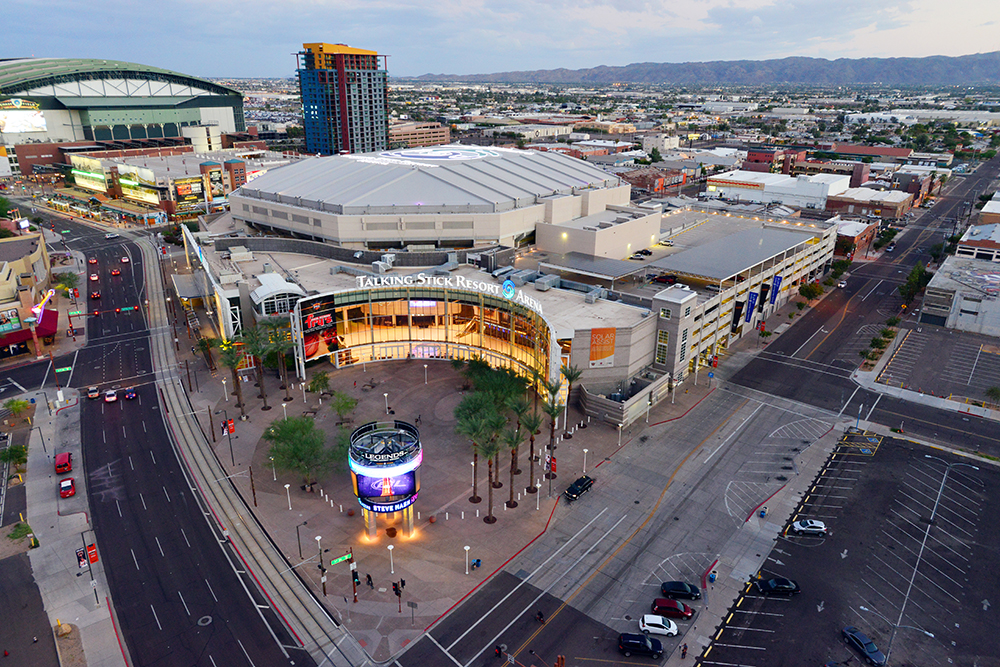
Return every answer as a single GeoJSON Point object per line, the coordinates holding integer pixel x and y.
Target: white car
{"type": "Point", "coordinates": [651, 624]}
{"type": "Point", "coordinates": [111, 236]}
{"type": "Point", "coordinates": [809, 527]}
{"type": "Point", "coordinates": [110, 396]}
{"type": "Point", "coordinates": [842, 283]}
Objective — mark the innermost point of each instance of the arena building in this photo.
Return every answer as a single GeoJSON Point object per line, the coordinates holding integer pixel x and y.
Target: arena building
{"type": "Point", "coordinates": [437, 197]}
{"type": "Point", "coordinates": [53, 100]}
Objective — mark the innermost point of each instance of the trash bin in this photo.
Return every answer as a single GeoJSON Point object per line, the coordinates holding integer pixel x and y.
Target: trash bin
{"type": "Point", "coordinates": [763, 512]}
{"type": "Point", "coordinates": [711, 577]}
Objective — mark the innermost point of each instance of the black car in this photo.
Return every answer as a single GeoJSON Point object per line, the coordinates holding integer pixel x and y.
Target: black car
{"type": "Point", "coordinates": [859, 641]}
{"type": "Point", "coordinates": [777, 586]}
{"type": "Point", "coordinates": [645, 251]}
{"type": "Point", "coordinates": [679, 589]}
{"type": "Point", "coordinates": [578, 488]}
{"type": "Point", "coordinates": [629, 643]}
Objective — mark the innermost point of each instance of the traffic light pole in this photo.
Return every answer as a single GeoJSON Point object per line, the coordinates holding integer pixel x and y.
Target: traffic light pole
{"type": "Point", "coordinates": [354, 574]}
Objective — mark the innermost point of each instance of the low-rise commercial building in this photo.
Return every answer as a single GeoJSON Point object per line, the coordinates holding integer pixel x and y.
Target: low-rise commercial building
{"type": "Point", "coordinates": [963, 295]}
{"type": "Point", "coordinates": [885, 204]}
{"type": "Point", "coordinates": [28, 315]}
{"type": "Point", "coordinates": [408, 135]}
{"type": "Point", "coordinates": [766, 188]}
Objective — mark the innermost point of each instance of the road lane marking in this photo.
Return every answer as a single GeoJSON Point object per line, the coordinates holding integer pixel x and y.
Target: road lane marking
{"type": "Point", "coordinates": [735, 431]}
{"type": "Point", "coordinates": [245, 653]}
{"type": "Point", "coordinates": [184, 603]}
{"type": "Point", "coordinates": [155, 617]}
{"type": "Point", "coordinates": [159, 547]}
{"type": "Point", "coordinates": [211, 591]}
{"type": "Point", "coordinates": [185, 538]}
{"type": "Point", "coordinates": [443, 650]}
{"type": "Point", "coordinates": [807, 341]}
{"type": "Point", "coordinates": [134, 559]}
{"type": "Point", "coordinates": [143, 501]}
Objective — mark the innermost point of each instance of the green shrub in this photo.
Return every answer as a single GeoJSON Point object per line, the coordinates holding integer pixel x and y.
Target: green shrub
{"type": "Point", "coordinates": [892, 321]}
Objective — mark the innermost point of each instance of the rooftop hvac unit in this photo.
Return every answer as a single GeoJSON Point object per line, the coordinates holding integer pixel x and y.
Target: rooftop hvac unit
{"type": "Point", "coordinates": [267, 267]}
{"type": "Point", "coordinates": [545, 283]}
{"type": "Point", "coordinates": [380, 267]}
{"type": "Point", "coordinates": [389, 259]}
{"type": "Point", "coordinates": [591, 297]}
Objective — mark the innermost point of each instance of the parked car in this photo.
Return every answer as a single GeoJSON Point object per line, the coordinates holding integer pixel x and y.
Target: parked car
{"type": "Point", "coordinates": [668, 243]}
{"type": "Point", "coordinates": [671, 608]}
{"type": "Point", "coordinates": [637, 255]}
{"type": "Point", "coordinates": [890, 247]}
{"type": "Point", "coordinates": [809, 527]}
{"type": "Point", "coordinates": [777, 586]}
{"type": "Point", "coordinates": [629, 643]}
{"type": "Point", "coordinates": [680, 589]}
{"type": "Point", "coordinates": [578, 488]}
{"type": "Point", "coordinates": [646, 252]}
{"type": "Point", "coordinates": [652, 624]}
{"type": "Point", "coordinates": [866, 647]}
{"type": "Point", "coordinates": [842, 284]}
{"type": "Point", "coordinates": [668, 279]}
{"type": "Point", "coordinates": [67, 488]}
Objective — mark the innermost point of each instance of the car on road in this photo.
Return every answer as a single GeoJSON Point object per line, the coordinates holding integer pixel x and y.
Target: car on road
{"type": "Point", "coordinates": [578, 488]}
{"type": "Point", "coordinates": [890, 247]}
{"type": "Point", "coordinates": [777, 586]}
{"type": "Point", "coordinates": [629, 643]}
{"type": "Point", "coordinates": [680, 589]}
{"type": "Point", "coordinates": [866, 647]}
{"type": "Point", "coordinates": [93, 392]}
{"type": "Point", "coordinates": [67, 488]}
{"type": "Point", "coordinates": [94, 276]}
{"type": "Point", "coordinates": [809, 527]}
{"type": "Point", "coordinates": [96, 294]}
{"type": "Point", "coordinates": [111, 236]}
{"type": "Point", "coordinates": [130, 393]}
{"type": "Point", "coordinates": [671, 608]}
{"type": "Point", "coordinates": [116, 271]}
{"type": "Point", "coordinates": [842, 284]}
{"type": "Point", "coordinates": [92, 260]}
{"type": "Point", "coordinates": [124, 260]}
{"type": "Point", "coordinates": [110, 396]}
{"type": "Point", "coordinates": [651, 624]}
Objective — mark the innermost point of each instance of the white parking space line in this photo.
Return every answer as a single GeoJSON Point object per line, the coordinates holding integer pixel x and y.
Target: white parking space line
{"type": "Point", "coordinates": [751, 648]}
{"type": "Point", "coordinates": [748, 629]}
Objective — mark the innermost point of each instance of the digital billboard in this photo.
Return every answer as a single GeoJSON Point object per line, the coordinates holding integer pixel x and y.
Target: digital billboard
{"type": "Point", "coordinates": [21, 117]}
{"type": "Point", "coordinates": [9, 321]}
{"type": "Point", "coordinates": [319, 327]}
{"type": "Point", "coordinates": [138, 183]}
{"type": "Point", "coordinates": [189, 193]}
{"type": "Point", "coordinates": [373, 488]}
{"type": "Point", "coordinates": [215, 183]}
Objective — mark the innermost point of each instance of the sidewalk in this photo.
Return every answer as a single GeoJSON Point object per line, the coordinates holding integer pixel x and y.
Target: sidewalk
{"type": "Point", "coordinates": [72, 595]}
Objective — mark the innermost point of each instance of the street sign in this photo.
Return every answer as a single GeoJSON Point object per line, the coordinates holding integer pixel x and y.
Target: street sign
{"type": "Point", "coordinates": [65, 369]}
{"type": "Point", "coordinates": [711, 374]}
{"type": "Point", "coordinates": [340, 560]}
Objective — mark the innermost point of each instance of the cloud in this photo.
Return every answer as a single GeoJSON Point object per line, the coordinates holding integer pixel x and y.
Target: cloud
{"type": "Point", "coordinates": [257, 38]}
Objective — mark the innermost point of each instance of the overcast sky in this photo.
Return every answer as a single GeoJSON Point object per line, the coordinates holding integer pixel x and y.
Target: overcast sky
{"type": "Point", "coordinates": [255, 38]}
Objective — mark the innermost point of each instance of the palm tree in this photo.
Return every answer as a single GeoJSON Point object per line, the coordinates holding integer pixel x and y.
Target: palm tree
{"type": "Point", "coordinates": [490, 448]}
{"type": "Point", "coordinates": [257, 346]}
{"type": "Point", "coordinates": [205, 346]}
{"type": "Point", "coordinates": [531, 423]}
{"type": "Point", "coordinates": [279, 332]}
{"type": "Point", "coordinates": [231, 356]}
{"type": "Point", "coordinates": [16, 407]}
{"type": "Point", "coordinates": [572, 374]}
{"type": "Point", "coordinates": [536, 381]}
{"type": "Point", "coordinates": [473, 428]}
{"type": "Point", "coordinates": [520, 407]}
{"type": "Point", "coordinates": [552, 407]}
{"type": "Point", "coordinates": [510, 439]}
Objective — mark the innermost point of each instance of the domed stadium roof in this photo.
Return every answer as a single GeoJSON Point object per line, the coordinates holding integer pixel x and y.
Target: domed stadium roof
{"type": "Point", "coordinates": [431, 180]}
{"type": "Point", "coordinates": [21, 76]}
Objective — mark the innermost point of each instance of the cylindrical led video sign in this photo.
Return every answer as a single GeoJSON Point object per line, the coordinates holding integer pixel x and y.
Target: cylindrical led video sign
{"type": "Point", "coordinates": [385, 465]}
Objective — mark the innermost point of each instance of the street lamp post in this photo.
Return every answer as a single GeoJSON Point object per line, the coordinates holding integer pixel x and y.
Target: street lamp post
{"type": "Point", "coordinates": [895, 627]}
{"type": "Point", "coordinates": [585, 461]}
{"type": "Point", "coordinates": [289, 494]}
{"type": "Point", "coordinates": [467, 558]}
{"type": "Point", "coordinates": [229, 434]}
{"type": "Point", "coordinates": [225, 390]}
{"type": "Point", "coordinates": [620, 434]}
{"type": "Point", "coordinates": [392, 569]}
{"type": "Point", "coordinates": [284, 410]}
{"type": "Point", "coordinates": [298, 537]}
{"type": "Point", "coordinates": [274, 471]}
{"type": "Point", "coordinates": [538, 494]}
{"type": "Point", "coordinates": [386, 395]}
{"type": "Point", "coordinates": [425, 373]}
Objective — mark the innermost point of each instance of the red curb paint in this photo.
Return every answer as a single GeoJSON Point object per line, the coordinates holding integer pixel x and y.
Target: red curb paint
{"type": "Point", "coordinates": [68, 405]}
{"type": "Point", "coordinates": [107, 601]}
{"type": "Point", "coordinates": [704, 576]}
{"type": "Point", "coordinates": [754, 511]}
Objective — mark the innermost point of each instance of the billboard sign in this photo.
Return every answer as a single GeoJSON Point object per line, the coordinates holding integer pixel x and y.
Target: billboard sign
{"type": "Point", "coordinates": [17, 116]}
{"type": "Point", "coordinates": [189, 192]}
{"type": "Point", "coordinates": [751, 302]}
{"type": "Point", "coordinates": [215, 183]}
{"type": "Point", "coordinates": [602, 347]}
{"type": "Point", "coordinates": [10, 320]}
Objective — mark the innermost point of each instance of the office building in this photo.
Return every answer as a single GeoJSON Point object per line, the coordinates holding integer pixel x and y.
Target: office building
{"type": "Point", "coordinates": [344, 108]}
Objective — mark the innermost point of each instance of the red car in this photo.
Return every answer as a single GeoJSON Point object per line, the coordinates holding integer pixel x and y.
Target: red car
{"type": "Point", "coordinates": [67, 488]}
{"type": "Point", "coordinates": [116, 272]}
{"type": "Point", "coordinates": [671, 609]}
{"type": "Point", "coordinates": [92, 260]}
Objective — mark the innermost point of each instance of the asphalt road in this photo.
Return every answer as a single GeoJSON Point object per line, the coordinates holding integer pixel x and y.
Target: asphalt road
{"type": "Point", "coordinates": [807, 362]}
{"type": "Point", "coordinates": [921, 564]}
{"type": "Point", "coordinates": [177, 594]}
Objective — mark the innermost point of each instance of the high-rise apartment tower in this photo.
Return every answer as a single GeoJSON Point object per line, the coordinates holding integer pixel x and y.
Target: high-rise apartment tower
{"type": "Point", "coordinates": [344, 107]}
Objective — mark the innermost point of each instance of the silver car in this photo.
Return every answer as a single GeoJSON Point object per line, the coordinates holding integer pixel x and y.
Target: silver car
{"type": "Point", "coordinates": [809, 527]}
{"type": "Point", "coordinates": [651, 624]}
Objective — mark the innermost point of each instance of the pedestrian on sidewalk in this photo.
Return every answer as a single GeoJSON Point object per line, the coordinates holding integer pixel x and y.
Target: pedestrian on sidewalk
{"type": "Point", "coordinates": [684, 650]}
{"type": "Point", "coordinates": [368, 580]}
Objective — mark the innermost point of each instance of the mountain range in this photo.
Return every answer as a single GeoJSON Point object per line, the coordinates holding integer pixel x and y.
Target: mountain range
{"type": "Point", "coordinates": [978, 69]}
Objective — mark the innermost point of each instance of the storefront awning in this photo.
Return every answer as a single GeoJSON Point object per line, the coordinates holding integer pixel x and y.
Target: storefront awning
{"type": "Point", "coordinates": [46, 327]}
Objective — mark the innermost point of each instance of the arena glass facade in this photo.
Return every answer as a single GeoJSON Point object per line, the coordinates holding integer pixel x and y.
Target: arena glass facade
{"type": "Point", "coordinates": [378, 324]}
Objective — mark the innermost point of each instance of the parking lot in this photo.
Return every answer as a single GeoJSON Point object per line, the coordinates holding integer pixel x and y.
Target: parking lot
{"type": "Point", "coordinates": [910, 559]}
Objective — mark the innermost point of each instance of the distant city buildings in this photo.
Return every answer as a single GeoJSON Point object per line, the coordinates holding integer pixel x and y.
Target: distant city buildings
{"type": "Point", "coordinates": [344, 105]}
{"type": "Point", "coordinates": [414, 135]}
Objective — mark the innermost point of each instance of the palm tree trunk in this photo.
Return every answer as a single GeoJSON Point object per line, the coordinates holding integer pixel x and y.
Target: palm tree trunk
{"type": "Point", "coordinates": [531, 468]}
{"type": "Point", "coordinates": [496, 484]}
{"type": "Point", "coordinates": [239, 394]}
{"type": "Point", "coordinates": [260, 381]}
{"type": "Point", "coordinates": [552, 445]}
{"type": "Point", "coordinates": [475, 476]}
{"type": "Point", "coordinates": [284, 376]}
{"type": "Point", "coordinates": [489, 518]}
{"type": "Point", "coordinates": [511, 503]}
